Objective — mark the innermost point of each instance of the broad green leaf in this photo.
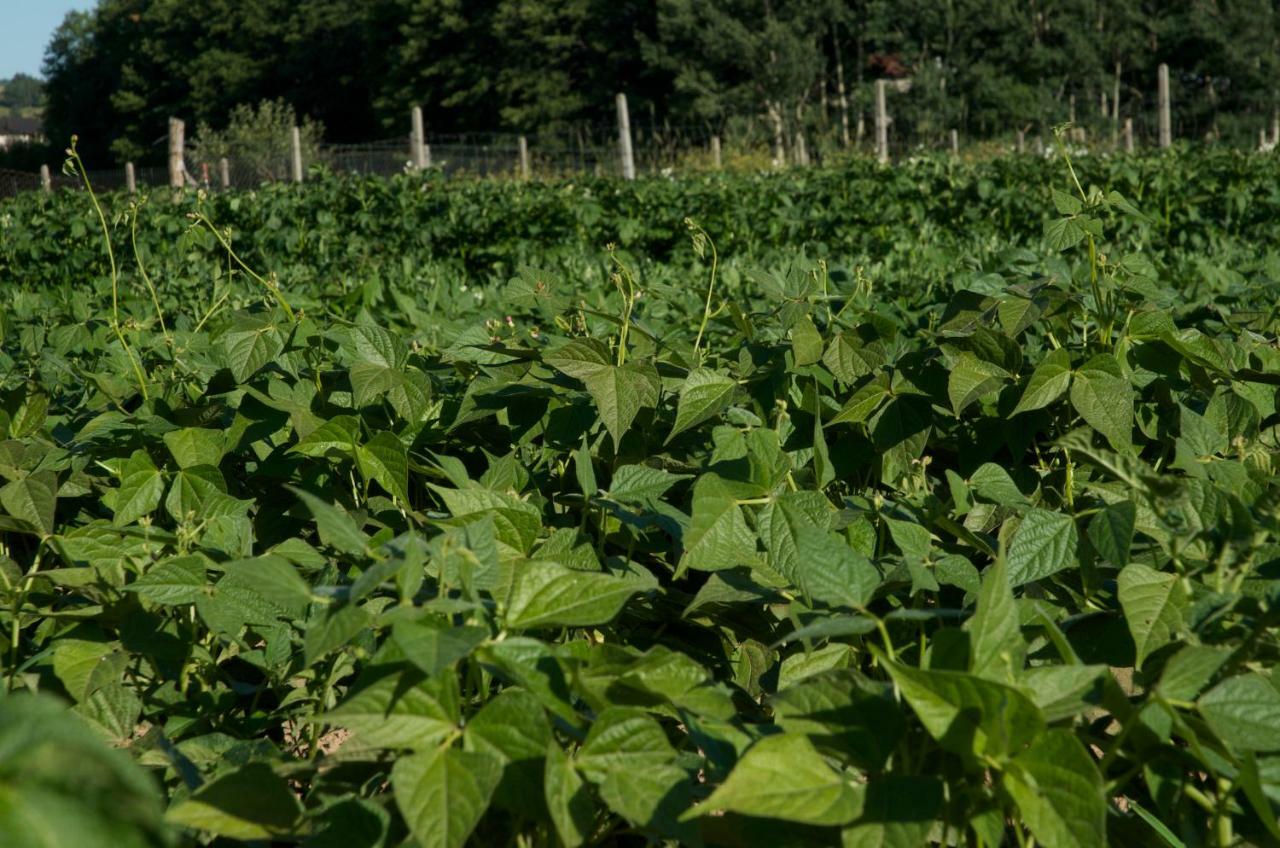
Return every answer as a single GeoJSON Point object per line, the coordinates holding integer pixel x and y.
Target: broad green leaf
{"type": "Point", "coordinates": [897, 811]}
{"type": "Point", "coordinates": [780, 522]}
{"type": "Point", "coordinates": [1153, 604]}
{"type": "Point", "coordinates": [997, 649]}
{"type": "Point", "coordinates": [84, 666]}
{"type": "Point", "coordinates": [806, 342]}
{"type": "Point", "coordinates": [1189, 670]}
{"type": "Point", "coordinates": [195, 446]}
{"type": "Point", "coordinates": [333, 628]}
{"type": "Point", "coordinates": [384, 458]}
{"type": "Point", "coordinates": [1059, 792]}
{"type": "Point", "coordinates": [652, 798]}
{"type": "Point", "coordinates": [863, 402]}
{"type": "Point", "coordinates": [828, 570]}
{"type": "Point", "coordinates": [702, 396]}
{"type": "Point", "coordinates": [250, 803]}
{"type": "Point", "coordinates": [641, 484]}
{"type": "Point", "coordinates": [33, 499]}
{"type": "Point", "coordinates": [784, 777]}
{"type": "Point", "coordinates": [971, 379]}
{"type": "Point", "coordinates": [1244, 711]}
{"type": "Point", "coordinates": [141, 487]}
{"type": "Point", "coordinates": [249, 344]}
{"type": "Point", "coordinates": [842, 710]}
{"type": "Point", "coordinates": [1111, 531]}
{"type": "Point", "coordinates": [1063, 233]}
{"type": "Point", "coordinates": [1048, 382]}
{"type": "Point", "coordinates": [337, 528]}
{"type": "Point", "coordinates": [399, 711]}
{"type": "Point", "coordinates": [568, 800]}
{"type": "Point", "coordinates": [434, 649]}
{"type": "Point", "coordinates": [1106, 404]}
{"type": "Point", "coordinates": [546, 594]}
{"type": "Point", "coordinates": [1044, 544]}
{"type": "Point", "coordinates": [968, 715]}
{"type": "Point", "coordinates": [623, 738]}
{"type": "Point", "coordinates": [339, 433]}
{"type": "Point", "coordinates": [62, 786]}
{"type": "Point", "coordinates": [442, 794]}
{"type": "Point", "coordinates": [172, 582]}
{"type": "Point", "coordinates": [718, 536]}
{"type": "Point", "coordinates": [620, 392]}
{"type": "Point", "coordinates": [274, 578]}
{"type": "Point", "coordinates": [516, 522]}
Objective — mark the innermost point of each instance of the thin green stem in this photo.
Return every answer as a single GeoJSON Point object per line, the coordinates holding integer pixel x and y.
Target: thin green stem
{"type": "Point", "coordinates": [146, 278]}
{"type": "Point", "coordinates": [78, 165]}
{"type": "Point", "coordinates": [269, 285]}
{"type": "Point", "coordinates": [701, 235]}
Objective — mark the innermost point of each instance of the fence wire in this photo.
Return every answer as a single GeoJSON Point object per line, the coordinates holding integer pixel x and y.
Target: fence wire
{"type": "Point", "coordinates": [661, 147]}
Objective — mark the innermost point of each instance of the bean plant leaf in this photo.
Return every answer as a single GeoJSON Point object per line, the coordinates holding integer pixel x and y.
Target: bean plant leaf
{"type": "Point", "coordinates": [442, 794]}
{"type": "Point", "coordinates": [784, 777]}
{"type": "Point", "coordinates": [1044, 544]}
{"type": "Point", "coordinates": [1153, 604]}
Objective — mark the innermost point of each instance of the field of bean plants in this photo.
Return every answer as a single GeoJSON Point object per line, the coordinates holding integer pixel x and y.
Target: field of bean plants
{"type": "Point", "coordinates": [935, 504]}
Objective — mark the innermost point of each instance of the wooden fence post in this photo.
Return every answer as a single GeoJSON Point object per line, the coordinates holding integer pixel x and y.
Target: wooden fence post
{"type": "Point", "coordinates": [130, 178]}
{"type": "Point", "coordinates": [224, 173]}
{"type": "Point", "coordinates": [426, 155]}
{"type": "Point", "coordinates": [418, 140]}
{"type": "Point", "coordinates": [1162, 96]}
{"type": "Point", "coordinates": [715, 151]}
{"type": "Point", "coordinates": [882, 123]}
{"type": "Point", "coordinates": [624, 138]}
{"type": "Point", "coordinates": [1128, 135]}
{"type": "Point", "coordinates": [1039, 145]}
{"type": "Point", "coordinates": [177, 153]}
{"type": "Point", "coordinates": [526, 169]}
{"type": "Point", "coordinates": [955, 143]}
{"type": "Point", "coordinates": [46, 179]}
{"type": "Point", "coordinates": [295, 151]}
{"type": "Point", "coordinates": [1022, 141]}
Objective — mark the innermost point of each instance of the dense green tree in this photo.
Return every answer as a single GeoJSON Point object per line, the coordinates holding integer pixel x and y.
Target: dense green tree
{"type": "Point", "coordinates": [785, 71]}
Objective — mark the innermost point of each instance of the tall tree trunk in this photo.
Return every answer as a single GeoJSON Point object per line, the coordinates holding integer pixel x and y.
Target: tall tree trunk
{"type": "Point", "coordinates": [841, 98]}
{"type": "Point", "coordinates": [1115, 108]}
{"type": "Point", "coordinates": [779, 143]}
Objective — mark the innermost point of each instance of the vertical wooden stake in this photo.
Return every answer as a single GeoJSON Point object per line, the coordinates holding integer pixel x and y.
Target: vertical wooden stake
{"type": "Point", "coordinates": [1128, 135]}
{"type": "Point", "coordinates": [1162, 96]}
{"type": "Point", "coordinates": [177, 152]}
{"type": "Point", "coordinates": [46, 180]}
{"type": "Point", "coordinates": [417, 140]}
{"type": "Point", "coordinates": [295, 145]}
{"type": "Point", "coordinates": [130, 178]}
{"type": "Point", "coordinates": [426, 155]}
{"type": "Point", "coordinates": [955, 143]}
{"type": "Point", "coordinates": [715, 151]}
{"type": "Point", "coordinates": [1039, 145]}
{"type": "Point", "coordinates": [224, 173]}
{"type": "Point", "coordinates": [624, 138]}
{"type": "Point", "coordinates": [526, 170]}
{"type": "Point", "coordinates": [882, 123]}
{"type": "Point", "coordinates": [1022, 141]}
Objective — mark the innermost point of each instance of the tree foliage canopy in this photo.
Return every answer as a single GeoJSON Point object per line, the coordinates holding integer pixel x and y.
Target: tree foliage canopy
{"type": "Point", "coordinates": [985, 67]}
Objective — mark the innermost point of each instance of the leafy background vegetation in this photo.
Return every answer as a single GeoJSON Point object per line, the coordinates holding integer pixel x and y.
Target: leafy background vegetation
{"type": "Point", "coordinates": [749, 69]}
{"type": "Point", "coordinates": [847, 507]}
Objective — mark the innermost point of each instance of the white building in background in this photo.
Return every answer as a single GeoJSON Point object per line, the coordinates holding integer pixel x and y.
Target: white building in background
{"type": "Point", "coordinates": [16, 130]}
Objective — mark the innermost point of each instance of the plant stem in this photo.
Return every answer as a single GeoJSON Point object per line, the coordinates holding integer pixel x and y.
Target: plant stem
{"type": "Point", "coordinates": [115, 274]}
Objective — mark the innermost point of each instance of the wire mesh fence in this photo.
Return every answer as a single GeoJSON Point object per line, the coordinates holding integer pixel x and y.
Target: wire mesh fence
{"type": "Point", "coordinates": [915, 128]}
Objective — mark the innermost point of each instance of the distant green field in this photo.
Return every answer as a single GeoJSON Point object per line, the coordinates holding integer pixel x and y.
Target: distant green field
{"type": "Point", "coordinates": [927, 505]}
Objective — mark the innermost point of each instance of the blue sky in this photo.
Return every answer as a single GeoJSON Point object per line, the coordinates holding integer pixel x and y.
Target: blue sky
{"type": "Point", "coordinates": [25, 28]}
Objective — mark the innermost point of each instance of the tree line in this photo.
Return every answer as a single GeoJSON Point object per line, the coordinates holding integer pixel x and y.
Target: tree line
{"type": "Point", "coordinates": [779, 72]}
